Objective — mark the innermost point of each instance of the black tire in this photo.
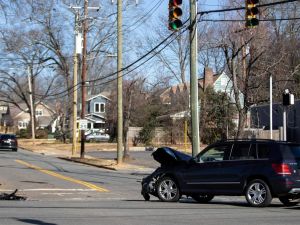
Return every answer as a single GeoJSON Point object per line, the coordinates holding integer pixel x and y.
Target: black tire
{"type": "Point", "coordinates": [168, 190]}
{"type": "Point", "coordinates": [146, 196]}
{"type": "Point", "coordinates": [258, 193]}
{"type": "Point", "coordinates": [287, 201]}
{"type": "Point", "coordinates": [202, 198]}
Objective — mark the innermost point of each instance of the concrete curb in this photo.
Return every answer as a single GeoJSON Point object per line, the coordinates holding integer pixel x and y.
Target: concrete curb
{"type": "Point", "coordinates": [83, 161]}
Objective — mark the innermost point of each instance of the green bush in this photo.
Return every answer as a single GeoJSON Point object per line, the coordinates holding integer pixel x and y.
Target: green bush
{"type": "Point", "coordinates": [22, 133]}
{"type": "Point", "coordinates": [41, 134]}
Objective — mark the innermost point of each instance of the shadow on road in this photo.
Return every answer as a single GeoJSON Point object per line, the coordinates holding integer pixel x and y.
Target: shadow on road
{"type": "Point", "coordinates": [37, 222]}
{"type": "Point", "coordinates": [215, 202]}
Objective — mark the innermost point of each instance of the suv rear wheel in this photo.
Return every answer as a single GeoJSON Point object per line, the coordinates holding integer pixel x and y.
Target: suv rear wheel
{"type": "Point", "coordinates": [168, 190]}
{"type": "Point", "coordinates": [258, 193]}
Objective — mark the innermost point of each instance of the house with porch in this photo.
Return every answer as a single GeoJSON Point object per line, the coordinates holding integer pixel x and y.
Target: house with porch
{"type": "Point", "coordinates": [96, 112]}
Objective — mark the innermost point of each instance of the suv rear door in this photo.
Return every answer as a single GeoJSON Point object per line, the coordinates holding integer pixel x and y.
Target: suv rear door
{"type": "Point", "coordinates": [247, 158]}
{"type": "Point", "coordinates": [240, 160]}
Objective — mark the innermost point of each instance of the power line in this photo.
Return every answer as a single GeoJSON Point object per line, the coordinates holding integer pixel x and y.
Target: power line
{"type": "Point", "coordinates": [66, 92]}
{"type": "Point", "coordinates": [106, 82]}
{"type": "Point", "coordinates": [169, 36]}
{"type": "Point", "coordinates": [242, 8]}
{"type": "Point", "coordinates": [144, 17]}
{"type": "Point", "coordinates": [263, 20]}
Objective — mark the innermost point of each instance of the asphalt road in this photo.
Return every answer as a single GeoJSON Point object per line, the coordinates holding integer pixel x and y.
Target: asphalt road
{"type": "Point", "coordinates": [67, 193]}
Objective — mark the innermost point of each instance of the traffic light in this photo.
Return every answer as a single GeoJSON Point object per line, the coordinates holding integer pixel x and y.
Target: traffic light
{"type": "Point", "coordinates": [175, 12]}
{"type": "Point", "coordinates": [251, 13]}
{"type": "Point", "coordinates": [287, 98]}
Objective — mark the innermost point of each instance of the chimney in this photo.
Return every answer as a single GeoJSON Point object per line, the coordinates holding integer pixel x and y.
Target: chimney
{"type": "Point", "coordinates": [208, 77]}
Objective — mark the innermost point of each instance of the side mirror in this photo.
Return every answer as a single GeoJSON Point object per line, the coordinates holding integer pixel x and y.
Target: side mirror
{"type": "Point", "coordinates": [192, 161]}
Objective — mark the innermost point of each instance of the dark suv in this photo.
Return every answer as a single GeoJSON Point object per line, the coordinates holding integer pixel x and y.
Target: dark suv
{"type": "Point", "coordinates": [8, 142]}
{"type": "Point", "coordinates": [258, 169]}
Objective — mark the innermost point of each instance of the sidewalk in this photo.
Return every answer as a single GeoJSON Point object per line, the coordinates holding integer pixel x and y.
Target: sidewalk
{"type": "Point", "coordinates": [64, 151]}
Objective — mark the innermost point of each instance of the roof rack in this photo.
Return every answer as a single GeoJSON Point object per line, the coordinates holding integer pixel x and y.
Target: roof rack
{"type": "Point", "coordinates": [247, 139]}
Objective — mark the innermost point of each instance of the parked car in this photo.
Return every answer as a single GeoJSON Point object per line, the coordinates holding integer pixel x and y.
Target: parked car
{"type": "Point", "coordinates": [8, 142]}
{"type": "Point", "coordinates": [97, 136]}
{"type": "Point", "coordinates": [258, 169]}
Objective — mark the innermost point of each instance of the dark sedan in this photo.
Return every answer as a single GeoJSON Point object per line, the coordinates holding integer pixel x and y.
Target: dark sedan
{"type": "Point", "coordinates": [8, 142]}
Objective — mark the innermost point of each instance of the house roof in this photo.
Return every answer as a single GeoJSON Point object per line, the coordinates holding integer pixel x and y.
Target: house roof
{"type": "Point", "coordinates": [176, 89]}
{"type": "Point", "coordinates": [15, 111]}
{"type": "Point", "coordinates": [95, 118]}
{"type": "Point", "coordinates": [96, 96]}
{"type": "Point", "coordinates": [201, 80]}
{"type": "Point", "coordinates": [174, 116]}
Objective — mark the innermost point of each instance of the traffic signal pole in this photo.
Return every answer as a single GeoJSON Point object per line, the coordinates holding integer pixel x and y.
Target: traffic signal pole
{"type": "Point", "coordinates": [194, 78]}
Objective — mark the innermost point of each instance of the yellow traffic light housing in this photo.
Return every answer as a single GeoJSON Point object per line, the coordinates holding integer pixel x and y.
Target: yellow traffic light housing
{"type": "Point", "coordinates": [175, 13]}
{"type": "Point", "coordinates": [251, 13]}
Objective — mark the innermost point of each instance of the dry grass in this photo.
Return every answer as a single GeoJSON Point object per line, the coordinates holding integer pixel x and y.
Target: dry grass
{"type": "Point", "coordinates": [44, 145]}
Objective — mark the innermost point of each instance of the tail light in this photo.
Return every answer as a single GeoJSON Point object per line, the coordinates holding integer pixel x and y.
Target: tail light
{"type": "Point", "coordinates": [282, 169]}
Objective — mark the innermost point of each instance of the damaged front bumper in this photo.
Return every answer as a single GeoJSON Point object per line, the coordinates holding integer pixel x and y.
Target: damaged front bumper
{"type": "Point", "coordinates": [149, 184]}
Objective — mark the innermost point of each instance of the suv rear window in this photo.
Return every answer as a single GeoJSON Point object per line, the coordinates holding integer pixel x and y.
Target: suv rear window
{"type": "Point", "coordinates": [7, 136]}
{"type": "Point", "coordinates": [263, 151]}
{"type": "Point", "coordinates": [241, 151]}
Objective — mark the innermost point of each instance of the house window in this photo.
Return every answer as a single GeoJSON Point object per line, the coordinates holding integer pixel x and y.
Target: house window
{"type": "Point", "coordinates": [223, 81]}
{"type": "Point", "coordinates": [99, 107]}
{"type": "Point", "coordinates": [38, 112]}
{"type": "Point", "coordinates": [99, 125]}
{"type": "Point", "coordinates": [22, 125]}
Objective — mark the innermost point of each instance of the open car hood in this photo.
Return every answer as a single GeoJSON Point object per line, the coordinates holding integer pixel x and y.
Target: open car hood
{"type": "Point", "coordinates": [166, 156]}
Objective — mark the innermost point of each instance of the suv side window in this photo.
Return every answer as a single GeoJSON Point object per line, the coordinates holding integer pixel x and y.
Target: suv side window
{"type": "Point", "coordinates": [263, 150]}
{"type": "Point", "coordinates": [215, 153]}
{"type": "Point", "coordinates": [241, 151]}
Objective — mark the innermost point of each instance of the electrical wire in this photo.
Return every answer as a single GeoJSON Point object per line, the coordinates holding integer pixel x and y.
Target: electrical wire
{"type": "Point", "coordinates": [125, 68]}
{"type": "Point", "coordinates": [157, 46]}
{"type": "Point", "coordinates": [142, 19]}
{"type": "Point", "coordinates": [67, 92]}
{"type": "Point", "coordinates": [263, 20]}
{"type": "Point", "coordinates": [242, 8]}
{"type": "Point", "coordinates": [106, 82]}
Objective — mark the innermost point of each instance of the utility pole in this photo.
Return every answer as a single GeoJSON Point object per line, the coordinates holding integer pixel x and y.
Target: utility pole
{"type": "Point", "coordinates": [194, 78]}
{"type": "Point", "coordinates": [271, 107]}
{"type": "Point", "coordinates": [31, 104]}
{"type": "Point", "coordinates": [119, 83]}
{"type": "Point", "coordinates": [77, 40]}
{"type": "Point", "coordinates": [83, 75]}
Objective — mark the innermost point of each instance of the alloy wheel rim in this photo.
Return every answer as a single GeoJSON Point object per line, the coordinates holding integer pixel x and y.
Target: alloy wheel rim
{"type": "Point", "coordinates": [168, 189]}
{"type": "Point", "coordinates": [257, 193]}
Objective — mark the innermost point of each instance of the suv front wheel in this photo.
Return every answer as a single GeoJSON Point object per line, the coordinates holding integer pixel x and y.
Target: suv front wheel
{"type": "Point", "coordinates": [258, 193]}
{"type": "Point", "coordinates": [168, 190]}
